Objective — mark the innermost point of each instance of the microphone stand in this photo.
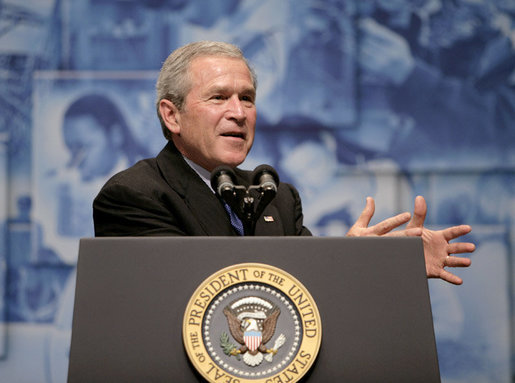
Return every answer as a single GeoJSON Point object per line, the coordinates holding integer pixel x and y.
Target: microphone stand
{"type": "Point", "coordinates": [242, 200]}
{"type": "Point", "coordinates": [242, 204]}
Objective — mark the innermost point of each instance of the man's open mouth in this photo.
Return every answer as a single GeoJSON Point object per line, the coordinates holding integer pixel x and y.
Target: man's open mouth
{"type": "Point", "coordinates": [234, 134]}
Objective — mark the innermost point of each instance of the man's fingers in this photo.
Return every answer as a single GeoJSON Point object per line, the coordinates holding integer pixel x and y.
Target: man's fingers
{"type": "Point", "coordinates": [367, 213]}
{"type": "Point", "coordinates": [461, 247]}
{"type": "Point", "coordinates": [457, 262]}
{"type": "Point", "coordinates": [451, 278]}
{"type": "Point", "coordinates": [414, 232]}
{"type": "Point", "coordinates": [389, 224]}
{"type": "Point", "coordinates": [419, 213]}
{"type": "Point", "coordinates": [456, 231]}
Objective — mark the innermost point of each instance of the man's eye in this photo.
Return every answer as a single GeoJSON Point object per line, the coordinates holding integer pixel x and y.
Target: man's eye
{"type": "Point", "coordinates": [218, 97]}
{"type": "Point", "coordinates": [248, 99]}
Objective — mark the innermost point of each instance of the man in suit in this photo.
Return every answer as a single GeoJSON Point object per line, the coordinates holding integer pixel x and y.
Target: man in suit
{"type": "Point", "coordinates": [206, 105]}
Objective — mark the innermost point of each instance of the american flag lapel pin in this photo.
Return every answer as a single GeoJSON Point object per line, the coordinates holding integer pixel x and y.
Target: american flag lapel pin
{"type": "Point", "coordinates": [268, 218]}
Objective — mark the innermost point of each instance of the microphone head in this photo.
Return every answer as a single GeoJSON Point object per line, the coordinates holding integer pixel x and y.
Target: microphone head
{"type": "Point", "coordinates": [266, 177]}
{"type": "Point", "coordinates": [223, 179]}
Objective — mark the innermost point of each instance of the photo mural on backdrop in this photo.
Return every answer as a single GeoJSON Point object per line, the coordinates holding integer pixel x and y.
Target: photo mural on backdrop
{"type": "Point", "coordinates": [3, 242]}
{"type": "Point", "coordinates": [384, 98]}
{"type": "Point", "coordinates": [90, 126]}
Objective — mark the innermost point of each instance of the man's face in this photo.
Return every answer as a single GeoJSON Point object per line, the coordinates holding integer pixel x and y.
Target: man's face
{"type": "Point", "coordinates": [217, 122]}
{"type": "Point", "coordinates": [92, 149]}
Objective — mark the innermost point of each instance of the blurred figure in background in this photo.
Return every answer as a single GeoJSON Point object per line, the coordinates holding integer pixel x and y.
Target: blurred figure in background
{"type": "Point", "coordinates": [98, 137]}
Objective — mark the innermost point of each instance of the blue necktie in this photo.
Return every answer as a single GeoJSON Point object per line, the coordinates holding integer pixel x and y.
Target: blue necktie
{"type": "Point", "coordinates": [235, 220]}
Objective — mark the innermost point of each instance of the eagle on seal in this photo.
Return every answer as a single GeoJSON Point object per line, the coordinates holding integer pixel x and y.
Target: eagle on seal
{"type": "Point", "coordinates": [252, 322]}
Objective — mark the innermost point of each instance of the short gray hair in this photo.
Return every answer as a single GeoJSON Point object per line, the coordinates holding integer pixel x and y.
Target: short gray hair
{"type": "Point", "coordinates": [174, 83]}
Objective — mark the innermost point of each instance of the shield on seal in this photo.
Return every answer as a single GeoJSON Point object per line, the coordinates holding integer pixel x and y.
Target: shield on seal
{"type": "Point", "coordinates": [252, 339]}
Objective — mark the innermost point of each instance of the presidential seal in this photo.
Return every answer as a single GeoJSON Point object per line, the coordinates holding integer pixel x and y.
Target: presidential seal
{"type": "Point", "coordinates": [252, 323]}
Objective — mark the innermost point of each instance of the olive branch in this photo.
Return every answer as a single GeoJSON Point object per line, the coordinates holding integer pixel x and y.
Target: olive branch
{"type": "Point", "coordinates": [228, 347]}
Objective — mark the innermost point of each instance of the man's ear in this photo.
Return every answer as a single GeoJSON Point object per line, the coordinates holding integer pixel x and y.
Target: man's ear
{"type": "Point", "coordinates": [170, 115]}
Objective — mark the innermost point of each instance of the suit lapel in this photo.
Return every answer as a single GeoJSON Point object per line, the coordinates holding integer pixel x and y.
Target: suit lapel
{"type": "Point", "coordinates": [204, 206]}
{"type": "Point", "coordinates": [206, 209]}
{"type": "Point", "coordinates": [270, 224]}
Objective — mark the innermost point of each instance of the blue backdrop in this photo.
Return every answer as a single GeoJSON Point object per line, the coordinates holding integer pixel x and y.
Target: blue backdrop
{"type": "Point", "coordinates": [384, 98]}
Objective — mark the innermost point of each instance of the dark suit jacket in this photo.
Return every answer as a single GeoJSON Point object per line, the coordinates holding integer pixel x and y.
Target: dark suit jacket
{"type": "Point", "coordinates": [164, 196]}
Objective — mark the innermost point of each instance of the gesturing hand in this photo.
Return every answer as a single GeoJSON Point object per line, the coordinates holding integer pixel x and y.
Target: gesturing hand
{"type": "Point", "coordinates": [361, 229]}
{"type": "Point", "coordinates": [437, 247]}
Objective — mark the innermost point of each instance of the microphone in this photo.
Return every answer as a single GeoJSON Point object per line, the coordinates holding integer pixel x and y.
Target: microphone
{"type": "Point", "coordinates": [247, 206]}
{"type": "Point", "coordinates": [266, 178]}
{"type": "Point", "coordinates": [222, 181]}
{"type": "Point", "coordinates": [265, 182]}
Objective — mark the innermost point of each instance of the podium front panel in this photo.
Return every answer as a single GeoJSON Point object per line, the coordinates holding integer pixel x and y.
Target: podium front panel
{"type": "Point", "coordinates": [372, 295]}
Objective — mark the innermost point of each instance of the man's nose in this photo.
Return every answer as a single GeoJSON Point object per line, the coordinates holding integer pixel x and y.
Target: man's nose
{"type": "Point", "coordinates": [77, 156]}
{"type": "Point", "coordinates": [236, 109]}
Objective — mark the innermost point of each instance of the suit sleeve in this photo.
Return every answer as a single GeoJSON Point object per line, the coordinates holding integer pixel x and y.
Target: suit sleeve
{"type": "Point", "coordinates": [289, 204]}
{"type": "Point", "coordinates": [299, 217]}
{"type": "Point", "coordinates": [119, 210]}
